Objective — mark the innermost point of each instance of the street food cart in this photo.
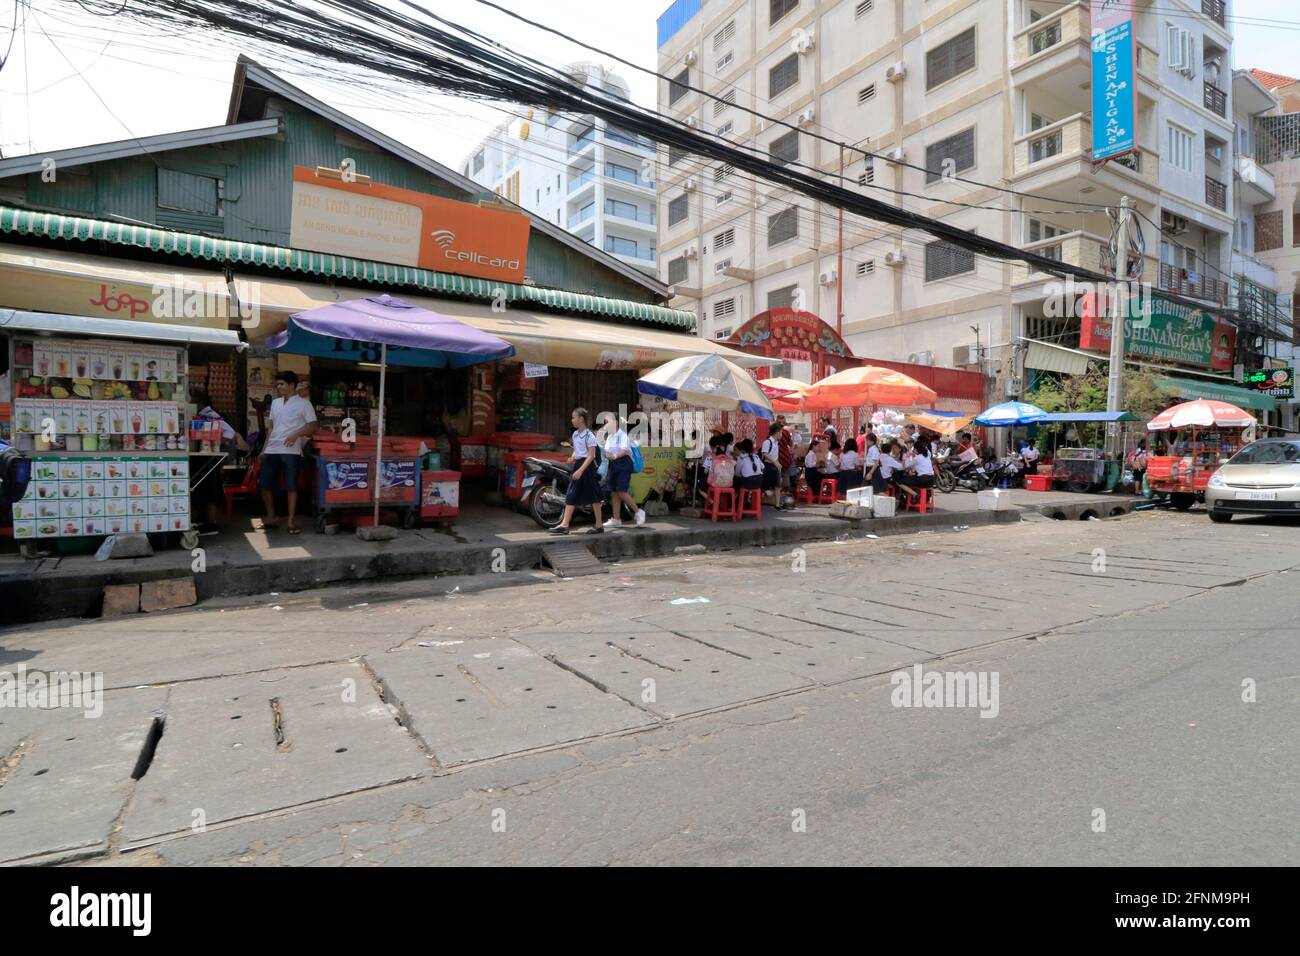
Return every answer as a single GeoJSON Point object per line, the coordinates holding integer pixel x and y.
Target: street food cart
{"type": "Point", "coordinates": [1188, 444]}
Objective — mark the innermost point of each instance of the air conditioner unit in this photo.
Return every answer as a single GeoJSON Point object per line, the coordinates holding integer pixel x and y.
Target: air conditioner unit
{"type": "Point", "coordinates": [690, 58]}
{"type": "Point", "coordinates": [1012, 387]}
{"type": "Point", "coordinates": [806, 117]}
{"type": "Point", "coordinates": [896, 155]}
{"type": "Point", "coordinates": [828, 278]}
{"type": "Point", "coordinates": [1172, 224]}
{"type": "Point", "coordinates": [721, 267]}
{"type": "Point", "coordinates": [691, 252]}
{"type": "Point", "coordinates": [895, 258]}
{"type": "Point", "coordinates": [895, 72]}
{"type": "Point", "coordinates": [920, 358]}
{"type": "Point", "coordinates": [689, 185]}
{"type": "Point", "coordinates": [691, 122]}
{"type": "Point", "coordinates": [963, 355]}
{"type": "Point", "coordinates": [804, 42]}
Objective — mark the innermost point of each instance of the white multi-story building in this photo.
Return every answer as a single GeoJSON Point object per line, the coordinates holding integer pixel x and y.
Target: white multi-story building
{"type": "Point", "coordinates": [997, 92]}
{"type": "Point", "coordinates": [590, 178]}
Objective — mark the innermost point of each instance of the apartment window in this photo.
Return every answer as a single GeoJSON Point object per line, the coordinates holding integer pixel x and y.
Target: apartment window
{"type": "Point", "coordinates": [724, 102]}
{"type": "Point", "coordinates": [866, 93]}
{"type": "Point", "coordinates": [868, 175]}
{"type": "Point", "coordinates": [722, 334]}
{"type": "Point", "coordinates": [189, 192]}
{"type": "Point", "coordinates": [478, 161]}
{"type": "Point", "coordinates": [951, 59]}
{"type": "Point", "coordinates": [785, 149]}
{"type": "Point", "coordinates": [1180, 148]}
{"type": "Point", "coordinates": [724, 239]}
{"type": "Point", "coordinates": [1180, 50]}
{"type": "Point", "coordinates": [943, 260]}
{"type": "Point", "coordinates": [1037, 121]}
{"type": "Point", "coordinates": [863, 8]}
{"type": "Point", "coordinates": [676, 155]}
{"type": "Point", "coordinates": [538, 200]}
{"type": "Point", "coordinates": [866, 268]}
{"type": "Point", "coordinates": [722, 172]}
{"type": "Point", "coordinates": [677, 209]}
{"type": "Point", "coordinates": [724, 35]}
{"type": "Point", "coordinates": [782, 226]}
{"type": "Point", "coordinates": [954, 153]}
{"type": "Point", "coordinates": [782, 298]}
{"type": "Point", "coordinates": [725, 128]}
{"type": "Point", "coordinates": [1268, 231]}
{"type": "Point", "coordinates": [616, 207]}
{"type": "Point", "coordinates": [724, 61]}
{"type": "Point", "coordinates": [1039, 231]}
{"type": "Point", "coordinates": [723, 197]}
{"type": "Point", "coordinates": [783, 76]}
{"type": "Point", "coordinates": [679, 270]}
{"type": "Point", "coordinates": [677, 86]}
{"type": "Point", "coordinates": [1295, 228]}
{"type": "Point", "coordinates": [780, 8]}
{"type": "Point", "coordinates": [624, 247]}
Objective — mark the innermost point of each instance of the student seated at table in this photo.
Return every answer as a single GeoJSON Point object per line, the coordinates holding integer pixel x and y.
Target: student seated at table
{"type": "Point", "coordinates": [890, 465]}
{"type": "Point", "coordinates": [749, 467]}
{"type": "Point", "coordinates": [871, 473]}
{"type": "Point", "coordinates": [920, 473]}
{"type": "Point", "coordinates": [850, 467]}
{"type": "Point", "coordinates": [815, 465]}
{"type": "Point", "coordinates": [833, 458]}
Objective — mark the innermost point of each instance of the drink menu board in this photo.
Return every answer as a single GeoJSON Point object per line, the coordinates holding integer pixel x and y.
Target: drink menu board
{"type": "Point", "coordinates": [76, 497]}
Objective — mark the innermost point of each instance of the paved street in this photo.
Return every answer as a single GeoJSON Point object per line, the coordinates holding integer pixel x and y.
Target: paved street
{"type": "Point", "coordinates": [524, 719]}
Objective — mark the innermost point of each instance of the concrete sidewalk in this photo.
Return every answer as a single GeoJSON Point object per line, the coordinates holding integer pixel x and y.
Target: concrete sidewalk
{"type": "Point", "coordinates": [244, 559]}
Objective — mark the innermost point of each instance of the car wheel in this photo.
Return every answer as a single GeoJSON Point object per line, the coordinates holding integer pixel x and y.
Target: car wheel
{"type": "Point", "coordinates": [1220, 517]}
{"type": "Point", "coordinates": [1183, 502]}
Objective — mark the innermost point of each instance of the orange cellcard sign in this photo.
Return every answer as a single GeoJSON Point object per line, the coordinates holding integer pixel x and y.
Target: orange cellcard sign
{"type": "Point", "coordinates": [404, 227]}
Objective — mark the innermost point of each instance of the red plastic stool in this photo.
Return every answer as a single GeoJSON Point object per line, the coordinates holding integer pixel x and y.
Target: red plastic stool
{"type": "Point", "coordinates": [829, 489]}
{"type": "Point", "coordinates": [749, 503]}
{"type": "Point", "coordinates": [923, 502]}
{"type": "Point", "coordinates": [803, 493]}
{"type": "Point", "coordinates": [715, 509]}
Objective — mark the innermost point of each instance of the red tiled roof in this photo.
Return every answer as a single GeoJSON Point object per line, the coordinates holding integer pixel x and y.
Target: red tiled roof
{"type": "Point", "coordinates": [1273, 81]}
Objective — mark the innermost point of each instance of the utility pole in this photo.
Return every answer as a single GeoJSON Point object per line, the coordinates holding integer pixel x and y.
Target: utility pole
{"type": "Point", "coordinates": [1119, 315]}
{"type": "Point", "coordinates": [839, 267]}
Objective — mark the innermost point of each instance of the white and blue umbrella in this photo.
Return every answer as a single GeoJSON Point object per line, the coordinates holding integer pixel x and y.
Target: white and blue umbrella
{"type": "Point", "coordinates": [1010, 414]}
{"type": "Point", "coordinates": [707, 381]}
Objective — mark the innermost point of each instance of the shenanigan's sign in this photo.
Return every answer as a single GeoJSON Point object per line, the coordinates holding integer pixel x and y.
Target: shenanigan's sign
{"type": "Point", "coordinates": [1172, 333]}
{"type": "Point", "coordinates": [1114, 79]}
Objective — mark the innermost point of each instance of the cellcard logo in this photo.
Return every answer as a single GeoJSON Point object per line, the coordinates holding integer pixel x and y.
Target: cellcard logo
{"type": "Point", "coordinates": [38, 690]}
{"type": "Point", "coordinates": [134, 910]}
{"type": "Point", "coordinates": [443, 237]}
{"type": "Point", "coordinates": [919, 688]}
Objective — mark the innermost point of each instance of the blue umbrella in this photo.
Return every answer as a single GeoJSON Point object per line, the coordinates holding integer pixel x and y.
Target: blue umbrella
{"type": "Point", "coordinates": [1009, 414]}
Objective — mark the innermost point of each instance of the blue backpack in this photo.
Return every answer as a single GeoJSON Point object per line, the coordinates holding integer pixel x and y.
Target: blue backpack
{"type": "Point", "coordinates": [637, 461]}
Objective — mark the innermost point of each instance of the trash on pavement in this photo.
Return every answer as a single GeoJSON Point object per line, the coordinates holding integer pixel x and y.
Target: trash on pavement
{"type": "Point", "coordinates": [694, 600]}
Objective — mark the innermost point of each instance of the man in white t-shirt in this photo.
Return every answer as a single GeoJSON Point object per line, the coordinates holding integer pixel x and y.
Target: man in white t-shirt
{"type": "Point", "coordinates": [292, 422]}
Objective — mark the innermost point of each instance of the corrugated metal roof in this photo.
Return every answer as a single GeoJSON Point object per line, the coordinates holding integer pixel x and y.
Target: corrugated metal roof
{"type": "Point", "coordinates": [77, 228]}
{"type": "Point", "coordinates": [1044, 357]}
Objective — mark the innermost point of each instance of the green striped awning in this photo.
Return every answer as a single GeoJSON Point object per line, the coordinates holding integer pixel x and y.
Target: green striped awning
{"type": "Point", "coordinates": [77, 228]}
{"type": "Point", "coordinates": [1193, 389]}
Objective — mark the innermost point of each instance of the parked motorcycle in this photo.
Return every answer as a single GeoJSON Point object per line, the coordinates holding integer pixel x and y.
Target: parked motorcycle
{"type": "Point", "coordinates": [544, 487]}
{"type": "Point", "coordinates": [953, 473]}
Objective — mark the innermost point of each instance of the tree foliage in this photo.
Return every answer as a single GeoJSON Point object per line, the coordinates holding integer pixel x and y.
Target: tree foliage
{"type": "Point", "coordinates": [1087, 393]}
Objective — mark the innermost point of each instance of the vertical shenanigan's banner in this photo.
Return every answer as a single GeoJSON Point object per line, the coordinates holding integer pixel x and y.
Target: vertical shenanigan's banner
{"type": "Point", "coordinates": [1114, 79]}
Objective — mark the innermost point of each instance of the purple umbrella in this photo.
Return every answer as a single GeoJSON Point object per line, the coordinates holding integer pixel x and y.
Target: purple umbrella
{"type": "Point", "coordinates": [386, 329]}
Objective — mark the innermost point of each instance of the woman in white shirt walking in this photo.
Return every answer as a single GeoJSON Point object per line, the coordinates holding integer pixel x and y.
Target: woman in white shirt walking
{"type": "Point", "coordinates": [584, 486]}
{"type": "Point", "coordinates": [618, 452]}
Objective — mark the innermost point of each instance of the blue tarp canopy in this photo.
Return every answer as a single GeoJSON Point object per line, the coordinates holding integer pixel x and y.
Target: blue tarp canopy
{"type": "Point", "coordinates": [1088, 417]}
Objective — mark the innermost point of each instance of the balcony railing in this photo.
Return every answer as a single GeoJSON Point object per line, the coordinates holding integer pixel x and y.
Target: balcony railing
{"type": "Point", "coordinates": [1214, 9]}
{"type": "Point", "coordinates": [635, 215]}
{"type": "Point", "coordinates": [1082, 250]}
{"type": "Point", "coordinates": [1194, 284]}
{"type": "Point", "coordinates": [582, 179]}
{"type": "Point", "coordinates": [614, 134]}
{"type": "Point", "coordinates": [1066, 26]}
{"type": "Point", "coordinates": [1048, 36]}
{"type": "Point", "coordinates": [1148, 62]}
{"type": "Point", "coordinates": [625, 175]}
{"type": "Point", "coordinates": [629, 249]}
{"type": "Point", "coordinates": [582, 141]}
{"type": "Point", "coordinates": [1045, 146]}
{"type": "Point", "coordinates": [1131, 161]}
{"type": "Point", "coordinates": [1216, 193]}
{"type": "Point", "coordinates": [581, 216]}
{"type": "Point", "coordinates": [1216, 100]}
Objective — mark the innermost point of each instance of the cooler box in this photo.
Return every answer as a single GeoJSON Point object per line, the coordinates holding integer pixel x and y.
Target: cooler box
{"type": "Point", "coordinates": [860, 496]}
{"type": "Point", "coordinates": [994, 499]}
{"type": "Point", "coordinates": [514, 473]}
{"type": "Point", "coordinates": [469, 456]}
{"type": "Point", "coordinates": [439, 494]}
{"type": "Point", "coordinates": [1038, 482]}
{"type": "Point", "coordinates": [883, 506]}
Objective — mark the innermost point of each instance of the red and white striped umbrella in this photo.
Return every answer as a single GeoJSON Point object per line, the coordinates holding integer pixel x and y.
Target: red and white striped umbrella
{"type": "Point", "coordinates": [1202, 413]}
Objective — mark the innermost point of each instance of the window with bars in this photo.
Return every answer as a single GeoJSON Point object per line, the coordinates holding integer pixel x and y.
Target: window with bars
{"type": "Point", "coordinates": [779, 8]}
{"type": "Point", "coordinates": [959, 148]}
{"type": "Point", "coordinates": [783, 226]}
{"type": "Point", "coordinates": [678, 86]}
{"type": "Point", "coordinates": [785, 148]}
{"type": "Point", "coordinates": [783, 76]}
{"type": "Point", "coordinates": [863, 8]}
{"type": "Point", "coordinates": [867, 93]}
{"type": "Point", "coordinates": [724, 102]}
{"type": "Point", "coordinates": [678, 209]}
{"type": "Point", "coordinates": [679, 270]}
{"type": "Point", "coordinates": [724, 239]}
{"type": "Point", "coordinates": [722, 197]}
{"type": "Point", "coordinates": [724, 61]}
{"type": "Point", "coordinates": [950, 59]}
{"type": "Point", "coordinates": [866, 267]}
{"type": "Point", "coordinates": [725, 34]}
{"type": "Point", "coordinates": [943, 260]}
{"type": "Point", "coordinates": [724, 308]}
{"type": "Point", "coordinates": [1268, 230]}
{"type": "Point", "coordinates": [782, 298]}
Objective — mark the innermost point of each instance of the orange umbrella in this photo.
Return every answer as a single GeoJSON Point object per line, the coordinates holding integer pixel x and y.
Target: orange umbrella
{"type": "Point", "coordinates": [867, 385]}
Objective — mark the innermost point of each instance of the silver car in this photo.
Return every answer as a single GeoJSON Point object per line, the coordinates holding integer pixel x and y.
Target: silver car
{"type": "Point", "coordinates": [1261, 479]}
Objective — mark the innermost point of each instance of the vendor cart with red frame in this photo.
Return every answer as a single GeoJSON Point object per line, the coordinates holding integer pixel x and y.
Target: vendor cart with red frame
{"type": "Point", "coordinates": [1188, 444]}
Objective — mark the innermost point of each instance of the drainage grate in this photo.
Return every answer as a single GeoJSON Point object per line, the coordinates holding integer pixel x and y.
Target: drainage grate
{"type": "Point", "coordinates": [571, 559]}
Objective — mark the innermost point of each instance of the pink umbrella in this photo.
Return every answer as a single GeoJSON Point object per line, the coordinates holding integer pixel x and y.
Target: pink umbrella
{"type": "Point", "coordinates": [1202, 413]}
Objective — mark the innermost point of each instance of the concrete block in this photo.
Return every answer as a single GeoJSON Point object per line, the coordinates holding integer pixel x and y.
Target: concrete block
{"type": "Point", "coordinates": [690, 549]}
{"type": "Point", "coordinates": [377, 532]}
{"type": "Point", "coordinates": [130, 546]}
{"type": "Point", "coordinates": [850, 512]}
{"type": "Point", "coordinates": [169, 593]}
{"type": "Point", "coordinates": [121, 599]}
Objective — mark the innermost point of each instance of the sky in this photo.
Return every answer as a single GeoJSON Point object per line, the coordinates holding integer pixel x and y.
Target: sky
{"type": "Point", "coordinates": [72, 78]}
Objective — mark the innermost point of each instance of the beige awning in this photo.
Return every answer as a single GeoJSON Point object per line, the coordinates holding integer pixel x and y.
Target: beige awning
{"type": "Point", "coordinates": [1049, 358]}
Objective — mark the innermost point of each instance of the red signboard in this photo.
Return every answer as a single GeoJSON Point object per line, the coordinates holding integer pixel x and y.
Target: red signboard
{"type": "Point", "coordinates": [1170, 332]}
